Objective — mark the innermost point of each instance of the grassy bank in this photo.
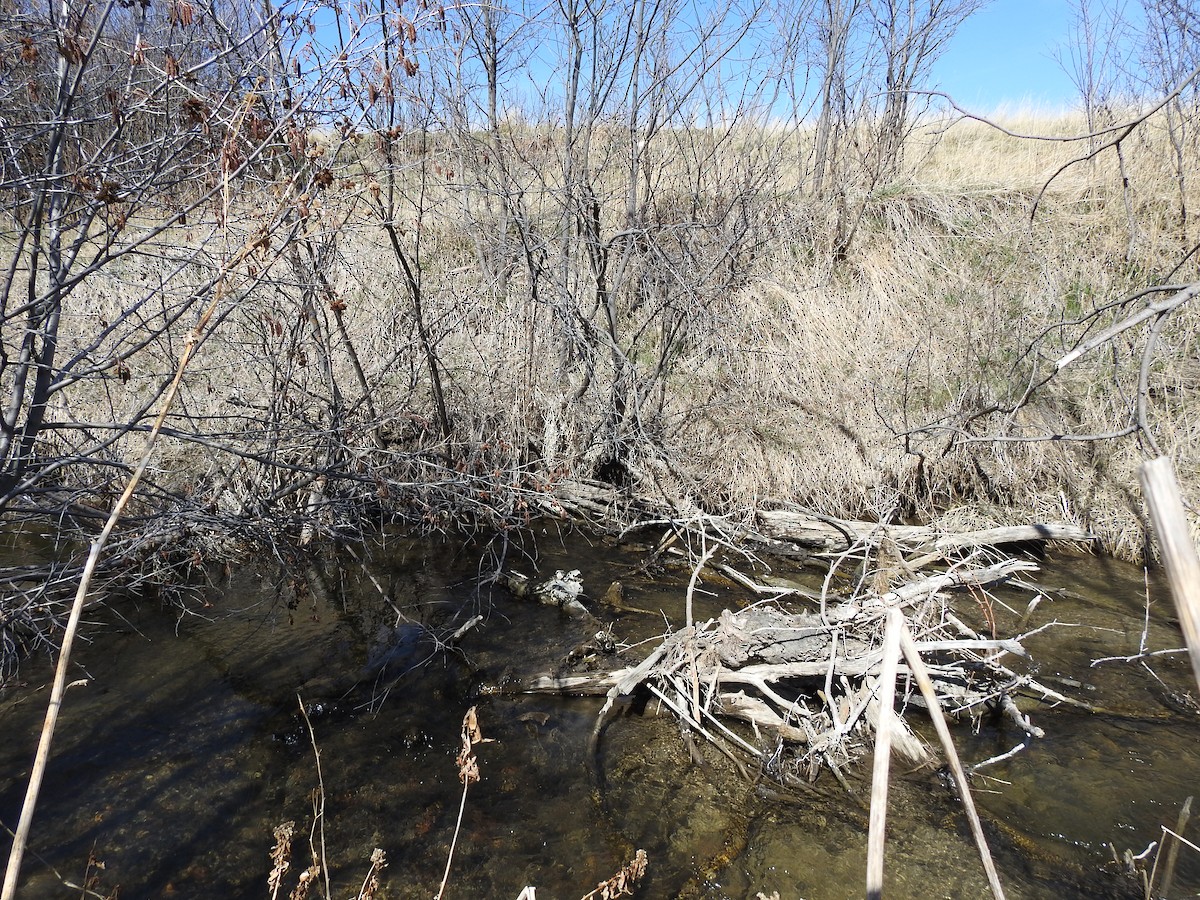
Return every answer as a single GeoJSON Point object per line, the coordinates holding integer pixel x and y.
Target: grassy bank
{"type": "Point", "coordinates": [745, 364]}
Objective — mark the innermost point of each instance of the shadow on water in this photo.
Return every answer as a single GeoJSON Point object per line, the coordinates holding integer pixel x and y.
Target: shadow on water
{"type": "Point", "coordinates": [186, 747]}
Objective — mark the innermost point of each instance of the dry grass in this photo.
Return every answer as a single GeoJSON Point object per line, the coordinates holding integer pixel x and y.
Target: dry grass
{"type": "Point", "coordinates": [826, 370]}
{"type": "Point", "coordinates": [835, 385]}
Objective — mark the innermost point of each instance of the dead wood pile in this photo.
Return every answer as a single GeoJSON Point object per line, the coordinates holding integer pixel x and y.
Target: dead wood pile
{"type": "Point", "coordinates": [785, 530]}
{"type": "Point", "coordinates": [800, 670]}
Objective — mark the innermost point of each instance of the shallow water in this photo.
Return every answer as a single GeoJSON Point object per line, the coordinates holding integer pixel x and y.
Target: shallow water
{"type": "Point", "coordinates": [176, 760]}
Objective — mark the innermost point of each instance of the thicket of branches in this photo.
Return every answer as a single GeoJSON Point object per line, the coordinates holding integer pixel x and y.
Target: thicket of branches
{"type": "Point", "coordinates": [462, 253]}
{"type": "Point", "coordinates": [387, 164]}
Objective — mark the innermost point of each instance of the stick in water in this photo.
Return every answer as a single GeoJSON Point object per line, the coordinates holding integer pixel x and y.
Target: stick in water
{"type": "Point", "coordinates": [917, 665]}
{"type": "Point", "coordinates": [883, 754]}
{"type": "Point", "coordinates": [1178, 552]}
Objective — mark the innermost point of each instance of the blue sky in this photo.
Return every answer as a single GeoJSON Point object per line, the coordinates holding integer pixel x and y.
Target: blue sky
{"type": "Point", "coordinates": [1004, 56]}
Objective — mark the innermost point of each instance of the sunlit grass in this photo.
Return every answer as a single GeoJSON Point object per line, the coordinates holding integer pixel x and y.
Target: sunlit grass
{"type": "Point", "coordinates": [846, 386]}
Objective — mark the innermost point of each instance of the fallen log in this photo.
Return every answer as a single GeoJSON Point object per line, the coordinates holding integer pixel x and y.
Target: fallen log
{"type": "Point", "coordinates": [826, 535]}
{"type": "Point", "coordinates": [781, 531]}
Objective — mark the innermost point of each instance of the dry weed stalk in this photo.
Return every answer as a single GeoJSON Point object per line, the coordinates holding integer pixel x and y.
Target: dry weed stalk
{"type": "Point", "coordinates": [280, 864]}
{"type": "Point", "coordinates": [370, 885]}
{"type": "Point", "coordinates": [280, 856]}
{"type": "Point", "coordinates": [317, 833]}
{"type": "Point", "coordinates": [622, 883]}
{"type": "Point", "coordinates": [91, 879]}
{"type": "Point", "coordinates": [468, 774]}
{"type": "Point", "coordinates": [1177, 840]}
{"type": "Point", "coordinates": [1134, 865]}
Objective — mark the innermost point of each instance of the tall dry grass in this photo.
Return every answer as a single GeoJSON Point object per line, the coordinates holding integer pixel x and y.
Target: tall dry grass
{"type": "Point", "coordinates": [850, 389]}
{"type": "Point", "coordinates": [856, 387]}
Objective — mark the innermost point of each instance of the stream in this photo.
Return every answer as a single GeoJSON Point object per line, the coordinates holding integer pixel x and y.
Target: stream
{"type": "Point", "coordinates": [185, 747]}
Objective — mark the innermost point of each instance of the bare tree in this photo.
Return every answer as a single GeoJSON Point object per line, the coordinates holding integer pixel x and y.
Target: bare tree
{"type": "Point", "coordinates": [912, 36]}
{"type": "Point", "coordinates": [875, 58]}
{"type": "Point", "coordinates": [1169, 51]}
{"type": "Point", "coordinates": [834, 24]}
{"type": "Point", "coordinates": [1094, 58]}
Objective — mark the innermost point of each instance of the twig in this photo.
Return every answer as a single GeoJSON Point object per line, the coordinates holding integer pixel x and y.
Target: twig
{"type": "Point", "coordinates": [691, 590]}
{"type": "Point", "coordinates": [991, 761]}
{"type": "Point", "coordinates": [751, 585]}
{"type": "Point", "coordinates": [919, 671]}
{"type": "Point", "coordinates": [1009, 707]}
{"type": "Point", "coordinates": [400, 616]}
{"type": "Point", "coordinates": [1137, 657]}
{"type": "Point", "coordinates": [830, 702]}
{"type": "Point", "coordinates": [1155, 309]}
{"type": "Point", "coordinates": [318, 802]}
{"type": "Point", "coordinates": [680, 709]}
{"type": "Point", "coordinates": [66, 882]}
{"type": "Point", "coordinates": [749, 748]}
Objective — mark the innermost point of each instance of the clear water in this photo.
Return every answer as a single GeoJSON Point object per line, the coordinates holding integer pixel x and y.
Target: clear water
{"type": "Point", "coordinates": [176, 760]}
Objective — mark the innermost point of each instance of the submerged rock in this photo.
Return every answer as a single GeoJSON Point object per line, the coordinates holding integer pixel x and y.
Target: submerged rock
{"type": "Point", "coordinates": [564, 591]}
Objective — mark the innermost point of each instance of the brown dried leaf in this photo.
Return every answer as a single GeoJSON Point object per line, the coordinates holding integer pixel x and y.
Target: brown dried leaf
{"type": "Point", "coordinates": [182, 13]}
{"type": "Point", "coordinates": [468, 770]}
{"type": "Point", "coordinates": [195, 110]}
{"type": "Point", "coordinates": [307, 879]}
{"type": "Point", "coordinates": [471, 732]}
{"type": "Point", "coordinates": [280, 853]}
{"type": "Point", "coordinates": [622, 883]}
{"type": "Point", "coordinates": [110, 192]}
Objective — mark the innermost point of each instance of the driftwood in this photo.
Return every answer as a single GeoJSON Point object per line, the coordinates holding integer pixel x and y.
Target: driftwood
{"type": "Point", "coordinates": [807, 676]}
{"type": "Point", "coordinates": [814, 685]}
{"type": "Point", "coordinates": [810, 679]}
{"type": "Point", "coordinates": [1178, 552]}
{"type": "Point", "coordinates": [787, 532]}
{"type": "Point", "coordinates": [827, 534]}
